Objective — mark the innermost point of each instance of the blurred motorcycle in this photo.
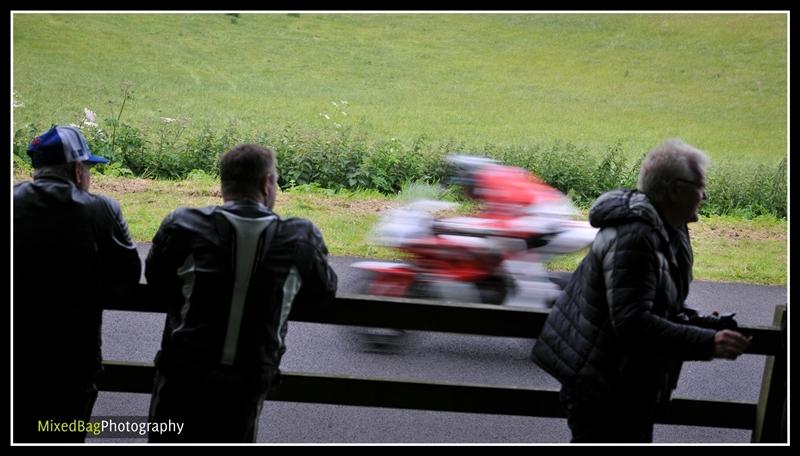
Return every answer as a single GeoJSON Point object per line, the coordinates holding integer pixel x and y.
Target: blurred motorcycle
{"type": "Point", "coordinates": [490, 257]}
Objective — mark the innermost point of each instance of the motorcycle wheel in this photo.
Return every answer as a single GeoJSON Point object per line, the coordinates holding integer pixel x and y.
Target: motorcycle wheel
{"type": "Point", "coordinates": [370, 339]}
{"type": "Point", "coordinates": [495, 289]}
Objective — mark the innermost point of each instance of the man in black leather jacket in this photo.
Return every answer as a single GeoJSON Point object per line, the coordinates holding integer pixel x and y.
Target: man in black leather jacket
{"type": "Point", "coordinates": [72, 250]}
{"type": "Point", "coordinates": [617, 335]}
{"type": "Point", "coordinates": [228, 276]}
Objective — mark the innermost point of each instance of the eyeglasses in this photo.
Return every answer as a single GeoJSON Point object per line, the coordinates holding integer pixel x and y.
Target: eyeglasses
{"type": "Point", "coordinates": [698, 185]}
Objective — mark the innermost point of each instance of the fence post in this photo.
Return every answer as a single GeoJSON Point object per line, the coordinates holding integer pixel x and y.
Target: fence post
{"type": "Point", "coordinates": [771, 410]}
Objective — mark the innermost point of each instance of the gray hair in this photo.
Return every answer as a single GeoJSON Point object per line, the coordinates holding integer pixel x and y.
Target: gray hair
{"type": "Point", "coordinates": [674, 159]}
{"type": "Point", "coordinates": [62, 170]}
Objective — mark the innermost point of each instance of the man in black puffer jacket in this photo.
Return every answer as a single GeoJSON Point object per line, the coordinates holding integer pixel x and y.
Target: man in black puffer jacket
{"type": "Point", "coordinates": [616, 337]}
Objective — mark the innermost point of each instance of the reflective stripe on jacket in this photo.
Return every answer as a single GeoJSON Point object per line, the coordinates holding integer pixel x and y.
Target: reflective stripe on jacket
{"type": "Point", "coordinates": [228, 277]}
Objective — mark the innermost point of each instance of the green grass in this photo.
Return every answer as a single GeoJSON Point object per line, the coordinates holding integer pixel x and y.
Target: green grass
{"type": "Point", "coordinates": [726, 249]}
{"type": "Point", "coordinates": [734, 250]}
{"type": "Point", "coordinates": [718, 81]}
{"type": "Point", "coordinates": [344, 219]}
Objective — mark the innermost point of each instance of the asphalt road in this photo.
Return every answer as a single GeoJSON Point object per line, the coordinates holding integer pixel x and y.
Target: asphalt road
{"type": "Point", "coordinates": [445, 357]}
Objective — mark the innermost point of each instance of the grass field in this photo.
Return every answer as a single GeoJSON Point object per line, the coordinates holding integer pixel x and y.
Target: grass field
{"type": "Point", "coordinates": [718, 81]}
{"type": "Point", "coordinates": [726, 249]}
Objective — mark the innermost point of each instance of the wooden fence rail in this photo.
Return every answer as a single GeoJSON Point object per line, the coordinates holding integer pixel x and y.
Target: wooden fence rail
{"type": "Point", "coordinates": [765, 418]}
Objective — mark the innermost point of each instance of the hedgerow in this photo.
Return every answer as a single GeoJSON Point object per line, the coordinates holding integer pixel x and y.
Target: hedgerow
{"type": "Point", "coordinates": [344, 159]}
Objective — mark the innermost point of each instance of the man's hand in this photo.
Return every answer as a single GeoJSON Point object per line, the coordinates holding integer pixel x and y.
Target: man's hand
{"type": "Point", "coordinates": [730, 344]}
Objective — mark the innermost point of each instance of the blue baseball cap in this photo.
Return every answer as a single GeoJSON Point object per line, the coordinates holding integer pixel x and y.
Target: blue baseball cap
{"type": "Point", "coordinates": [60, 145]}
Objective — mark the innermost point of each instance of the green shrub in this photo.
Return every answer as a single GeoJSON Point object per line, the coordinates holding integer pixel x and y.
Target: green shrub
{"type": "Point", "coordinates": [114, 169]}
{"type": "Point", "coordinates": [22, 167]}
{"type": "Point", "coordinates": [343, 160]}
{"type": "Point", "coordinates": [22, 137]}
{"type": "Point", "coordinates": [747, 191]}
{"type": "Point", "coordinates": [202, 177]}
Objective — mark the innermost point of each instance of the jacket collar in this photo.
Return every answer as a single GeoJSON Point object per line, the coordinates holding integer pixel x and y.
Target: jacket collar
{"type": "Point", "coordinates": [624, 206]}
{"type": "Point", "coordinates": [245, 207]}
{"type": "Point", "coordinates": [642, 205]}
{"type": "Point", "coordinates": [54, 178]}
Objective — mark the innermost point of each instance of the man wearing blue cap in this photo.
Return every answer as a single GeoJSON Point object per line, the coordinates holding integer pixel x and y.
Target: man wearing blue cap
{"type": "Point", "coordinates": [72, 250]}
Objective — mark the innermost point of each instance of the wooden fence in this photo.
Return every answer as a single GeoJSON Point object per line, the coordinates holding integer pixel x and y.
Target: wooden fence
{"type": "Point", "coordinates": [766, 418]}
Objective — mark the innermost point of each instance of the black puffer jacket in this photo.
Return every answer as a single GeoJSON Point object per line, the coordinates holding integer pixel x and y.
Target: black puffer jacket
{"type": "Point", "coordinates": [228, 294]}
{"type": "Point", "coordinates": [72, 252]}
{"type": "Point", "coordinates": [610, 332]}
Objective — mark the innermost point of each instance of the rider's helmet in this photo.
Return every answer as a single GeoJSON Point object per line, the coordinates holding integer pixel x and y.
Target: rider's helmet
{"type": "Point", "coordinates": [464, 170]}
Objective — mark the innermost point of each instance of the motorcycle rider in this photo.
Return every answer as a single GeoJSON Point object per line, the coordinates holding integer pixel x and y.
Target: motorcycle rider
{"type": "Point", "coordinates": [505, 191]}
{"type": "Point", "coordinates": [486, 258]}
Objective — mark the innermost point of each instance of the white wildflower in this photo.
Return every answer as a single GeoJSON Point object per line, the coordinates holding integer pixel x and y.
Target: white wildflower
{"type": "Point", "coordinates": [17, 103]}
{"type": "Point", "coordinates": [167, 120]}
{"type": "Point", "coordinates": [90, 116]}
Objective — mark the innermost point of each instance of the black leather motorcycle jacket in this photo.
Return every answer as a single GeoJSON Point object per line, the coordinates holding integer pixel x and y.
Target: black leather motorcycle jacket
{"type": "Point", "coordinates": [228, 277]}
{"type": "Point", "coordinates": [72, 251]}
